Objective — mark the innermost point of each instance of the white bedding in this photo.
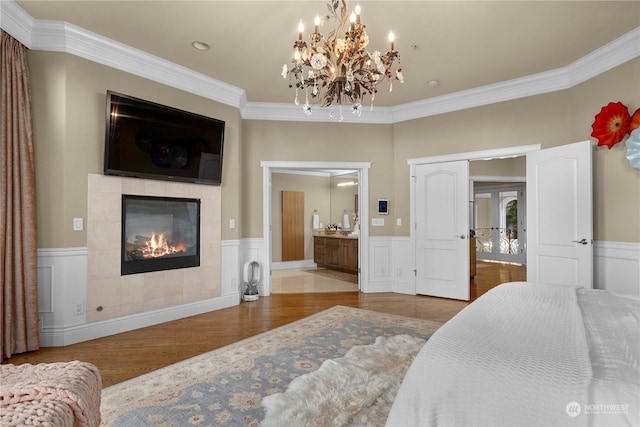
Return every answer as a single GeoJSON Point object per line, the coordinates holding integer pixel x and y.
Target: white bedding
{"type": "Point", "coordinates": [521, 356]}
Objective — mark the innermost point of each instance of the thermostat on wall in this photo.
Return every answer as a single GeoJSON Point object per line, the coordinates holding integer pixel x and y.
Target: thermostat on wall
{"type": "Point", "coordinates": [383, 206]}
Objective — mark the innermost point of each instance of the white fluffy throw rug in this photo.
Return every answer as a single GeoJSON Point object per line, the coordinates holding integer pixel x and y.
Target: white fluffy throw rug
{"type": "Point", "coordinates": [355, 390]}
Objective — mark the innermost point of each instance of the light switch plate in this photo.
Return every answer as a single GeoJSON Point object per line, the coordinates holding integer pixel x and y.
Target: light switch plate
{"type": "Point", "coordinates": [377, 222]}
{"type": "Point", "coordinates": [78, 224]}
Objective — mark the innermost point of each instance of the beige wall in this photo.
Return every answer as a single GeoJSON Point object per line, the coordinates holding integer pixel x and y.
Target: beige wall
{"type": "Point", "coordinates": [68, 103]}
{"type": "Point", "coordinates": [69, 98]}
{"type": "Point", "coordinates": [514, 167]}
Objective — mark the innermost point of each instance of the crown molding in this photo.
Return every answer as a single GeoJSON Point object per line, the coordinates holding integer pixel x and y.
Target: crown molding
{"type": "Point", "coordinates": [59, 36]}
{"type": "Point", "coordinates": [611, 55]}
{"type": "Point", "coordinates": [16, 21]}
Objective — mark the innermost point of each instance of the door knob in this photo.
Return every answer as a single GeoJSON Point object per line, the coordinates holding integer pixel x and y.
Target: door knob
{"type": "Point", "coordinates": [582, 242]}
{"type": "Point", "coordinates": [462, 236]}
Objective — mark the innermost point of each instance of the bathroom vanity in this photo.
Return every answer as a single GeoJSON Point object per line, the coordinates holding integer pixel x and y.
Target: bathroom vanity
{"type": "Point", "coordinates": [336, 252]}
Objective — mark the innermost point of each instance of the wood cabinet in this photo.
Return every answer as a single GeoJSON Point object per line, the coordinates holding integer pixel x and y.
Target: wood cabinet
{"type": "Point", "coordinates": [336, 253]}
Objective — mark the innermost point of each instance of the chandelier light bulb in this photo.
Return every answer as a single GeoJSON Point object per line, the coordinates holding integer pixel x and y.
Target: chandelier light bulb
{"type": "Point", "coordinates": [357, 10]}
{"type": "Point", "coordinates": [317, 22]}
{"type": "Point", "coordinates": [391, 39]}
{"type": "Point", "coordinates": [300, 30]}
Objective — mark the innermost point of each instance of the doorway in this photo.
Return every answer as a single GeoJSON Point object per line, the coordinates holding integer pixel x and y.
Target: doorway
{"type": "Point", "coordinates": [498, 222]}
{"type": "Point", "coordinates": [559, 179]}
{"type": "Point", "coordinates": [362, 171]}
{"type": "Point", "coordinates": [444, 238]}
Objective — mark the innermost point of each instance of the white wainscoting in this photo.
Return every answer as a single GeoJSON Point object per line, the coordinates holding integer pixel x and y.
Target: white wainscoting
{"type": "Point", "coordinates": [616, 268]}
{"type": "Point", "coordinates": [62, 283]}
{"type": "Point", "coordinates": [381, 261]}
{"type": "Point", "coordinates": [230, 280]}
{"type": "Point", "coordinates": [403, 266]}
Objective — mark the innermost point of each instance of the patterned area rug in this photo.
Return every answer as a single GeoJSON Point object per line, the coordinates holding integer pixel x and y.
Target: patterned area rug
{"type": "Point", "coordinates": [225, 386]}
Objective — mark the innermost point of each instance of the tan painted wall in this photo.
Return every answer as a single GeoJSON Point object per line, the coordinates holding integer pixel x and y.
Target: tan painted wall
{"type": "Point", "coordinates": [69, 98]}
{"type": "Point", "coordinates": [514, 167]}
{"type": "Point", "coordinates": [68, 103]}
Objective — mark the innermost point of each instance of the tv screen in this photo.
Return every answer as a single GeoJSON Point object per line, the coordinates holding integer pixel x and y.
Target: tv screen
{"type": "Point", "coordinates": [148, 140]}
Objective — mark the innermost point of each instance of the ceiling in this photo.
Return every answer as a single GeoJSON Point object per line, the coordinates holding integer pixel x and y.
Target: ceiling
{"type": "Point", "coordinates": [461, 44]}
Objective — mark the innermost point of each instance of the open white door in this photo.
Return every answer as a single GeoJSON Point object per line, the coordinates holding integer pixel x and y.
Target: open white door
{"type": "Point", "coordinates": [560, 215]}
{"type": "Point", "coordinates": [442, 229]}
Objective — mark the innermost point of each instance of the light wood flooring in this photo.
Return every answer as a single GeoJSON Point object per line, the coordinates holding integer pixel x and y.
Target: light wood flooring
{"type": "Point", "coordinates": [296, 281]}
{"type": "Point", "coordinates": [127, 355]}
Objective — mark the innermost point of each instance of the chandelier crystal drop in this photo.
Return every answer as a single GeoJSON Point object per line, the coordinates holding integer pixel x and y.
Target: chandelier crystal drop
{"type": "Point", "coordinates": [338, 68]}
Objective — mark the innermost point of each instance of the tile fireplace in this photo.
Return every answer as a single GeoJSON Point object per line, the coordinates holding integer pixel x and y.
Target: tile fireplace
{"type": "Point", "coordinates": [159, 233]}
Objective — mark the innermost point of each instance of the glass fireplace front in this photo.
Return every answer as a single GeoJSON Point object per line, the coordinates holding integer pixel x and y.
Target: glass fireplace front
{"type": "Point", "coordinates": [159, 233]}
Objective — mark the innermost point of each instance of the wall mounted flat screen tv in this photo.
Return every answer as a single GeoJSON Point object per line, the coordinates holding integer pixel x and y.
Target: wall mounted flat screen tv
{"type": "Point", "coordinates": [148, 140]}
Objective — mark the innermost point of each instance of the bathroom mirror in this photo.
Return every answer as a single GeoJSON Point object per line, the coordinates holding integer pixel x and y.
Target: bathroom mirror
{"type": "Point", "coordinates": [344, 198]}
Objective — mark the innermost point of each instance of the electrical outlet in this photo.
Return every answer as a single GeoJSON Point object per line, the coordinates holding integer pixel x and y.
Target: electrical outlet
{"type": "Point", "coordinates": [78, 224]}
{"type": "Point", "coordinates": [78, 309]}
{"type": "Point", "coordinates": [398, 222]}
{"type": "Point", "coordinates": [232, 223]}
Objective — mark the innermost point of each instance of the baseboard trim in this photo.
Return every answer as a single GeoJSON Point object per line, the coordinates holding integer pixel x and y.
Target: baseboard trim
{"type": "Point", "coordinates": [55, 337]}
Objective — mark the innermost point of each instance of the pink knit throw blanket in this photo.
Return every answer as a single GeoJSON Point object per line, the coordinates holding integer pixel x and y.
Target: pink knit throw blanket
{"type": "Point", "coordinates": [53, 393]}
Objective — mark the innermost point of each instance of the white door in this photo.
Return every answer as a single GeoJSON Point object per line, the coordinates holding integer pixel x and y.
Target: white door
{"type": "Point", "coordinates": [559, 215]}
{"type": "Point", "coordinates": [442, 229]}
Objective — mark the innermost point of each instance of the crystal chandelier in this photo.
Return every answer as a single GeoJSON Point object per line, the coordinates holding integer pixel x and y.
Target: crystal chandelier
{"type": "Point", "coordinates": [338, 68]}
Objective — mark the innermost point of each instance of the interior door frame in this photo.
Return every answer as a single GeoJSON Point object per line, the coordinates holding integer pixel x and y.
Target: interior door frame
{"type": "Point", "coordinates": [498, 153]}
{"type": "Point", "coordinates": [362, 168]}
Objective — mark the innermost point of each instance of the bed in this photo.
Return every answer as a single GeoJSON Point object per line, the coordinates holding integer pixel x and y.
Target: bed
{"type": "Point", "coordinates": [528, 354]}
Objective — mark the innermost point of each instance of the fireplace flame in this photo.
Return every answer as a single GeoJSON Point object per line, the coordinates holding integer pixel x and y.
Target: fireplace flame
{"type": "Point", "coordinates": [158, 246]}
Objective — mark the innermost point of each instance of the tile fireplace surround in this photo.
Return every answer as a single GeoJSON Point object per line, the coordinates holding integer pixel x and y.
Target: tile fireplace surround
{"type": "Point", "coordinates": [110, 295]}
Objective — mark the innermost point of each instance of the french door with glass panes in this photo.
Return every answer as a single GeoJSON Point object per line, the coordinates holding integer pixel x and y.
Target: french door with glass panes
{"type": "Point", "coordinates": [499, 223]}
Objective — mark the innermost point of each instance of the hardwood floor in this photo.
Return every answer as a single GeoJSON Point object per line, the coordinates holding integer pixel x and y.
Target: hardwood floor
{"type": "Point", "coordinates": [127, 355]}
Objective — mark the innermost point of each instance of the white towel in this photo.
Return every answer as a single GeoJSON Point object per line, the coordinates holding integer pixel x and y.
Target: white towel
{"type": "Point", "coordinates": [316, 221]}
{"type": "Point", "coordinates": [345, 222]}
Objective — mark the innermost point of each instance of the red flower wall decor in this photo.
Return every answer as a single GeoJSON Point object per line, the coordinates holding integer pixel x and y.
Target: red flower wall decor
{"type": "Point", "coordinates": [635, 121]}
{"type": "Point", "coordinates": [611, 124]}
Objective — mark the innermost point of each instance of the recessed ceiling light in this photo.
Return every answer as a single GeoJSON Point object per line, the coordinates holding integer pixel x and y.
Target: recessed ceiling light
{"type": "Point", "coordinates": [433, 83]}
{"type": "Point", "coordinates": [200, 45]}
